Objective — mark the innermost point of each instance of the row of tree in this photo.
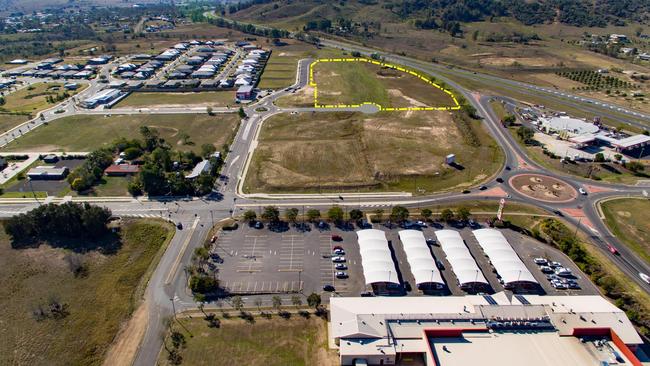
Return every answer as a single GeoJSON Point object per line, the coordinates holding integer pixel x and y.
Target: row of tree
{"type": "Point", "coordinates": [68, 220]}
{"type": "Point", "coordinates": [337, 214]}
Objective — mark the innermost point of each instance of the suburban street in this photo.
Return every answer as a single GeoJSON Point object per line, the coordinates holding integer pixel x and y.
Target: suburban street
{"type": "Point", "coordinates": [167, 291]}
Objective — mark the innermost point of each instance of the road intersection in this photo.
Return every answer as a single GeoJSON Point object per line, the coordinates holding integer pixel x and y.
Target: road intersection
{"type": "Point", "coordinates": [167, 290]}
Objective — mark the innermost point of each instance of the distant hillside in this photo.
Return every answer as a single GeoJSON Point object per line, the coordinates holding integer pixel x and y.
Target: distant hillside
{"type": "Point", "coordinates": [446, 15]}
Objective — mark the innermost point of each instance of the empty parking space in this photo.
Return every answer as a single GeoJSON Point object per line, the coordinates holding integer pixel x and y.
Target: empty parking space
{"type": "Point", "coordinates": [251, 254]}
{"type": "Point", "coordinates": [291, 252]}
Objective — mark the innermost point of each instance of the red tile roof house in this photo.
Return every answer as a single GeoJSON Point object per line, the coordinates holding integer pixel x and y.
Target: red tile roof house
{"type": "Point", "coordinates": [121, 170]}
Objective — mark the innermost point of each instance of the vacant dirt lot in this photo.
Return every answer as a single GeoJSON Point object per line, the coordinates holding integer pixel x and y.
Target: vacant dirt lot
{"type": "Point", "coordinates": [351, 151]}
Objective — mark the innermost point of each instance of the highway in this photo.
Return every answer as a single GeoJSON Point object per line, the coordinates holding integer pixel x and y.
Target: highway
{"type": "Point", "coordinates": [167, 290]}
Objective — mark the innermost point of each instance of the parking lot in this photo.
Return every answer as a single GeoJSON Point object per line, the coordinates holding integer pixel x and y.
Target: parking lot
{"type": "Point", "coordinates": [261, 261]}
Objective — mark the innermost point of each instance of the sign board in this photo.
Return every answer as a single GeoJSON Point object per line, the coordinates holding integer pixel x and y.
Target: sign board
{"type": "Point", "coordinates": [502, 203]}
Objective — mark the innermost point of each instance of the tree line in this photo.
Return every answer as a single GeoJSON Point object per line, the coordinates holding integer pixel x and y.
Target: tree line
{"type": "Point", "coordinates": [68, 220]}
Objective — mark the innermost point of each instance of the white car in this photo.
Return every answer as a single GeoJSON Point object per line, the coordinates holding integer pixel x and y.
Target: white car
{"type": "Point", "coordinates": [582, 191]}
{"type": "Point", "coordinates": [540, 261]}
{"type": "Point", "coordinates": [645, 277]}
{"type": "Point", "coordinates": [341, 275]}
{"type": "Point", "coordinates": [339, 251]}
{"type": "Point", "coordinates": [338, 259]}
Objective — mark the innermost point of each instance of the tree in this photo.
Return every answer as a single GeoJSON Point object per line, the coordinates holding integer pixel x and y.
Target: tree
{"type": "Point", "coordinates": [209, 110]}
{"type": "Point", "coordinates": [207, 150]}
{"type": "Point", "coordinates": [313, 300]}
{"type": "Point", "coordinates": [237, 303]}
{"type": "Point", "coordinates": [525, 134]}
{"type": "Point", "coordinates": [241, 113]}
{"type": "Point", "coordinates": [447, 215]}
{"type": "Point", "coordinates": [271, 214]}
{"type": "Point", "coordinates": [178, 339]}
{"type": "Point", "coordinates": [131, 153]}
{"type": "Point", "coordinates": [296, 300]}
{"type": "Point", "coordinates": [250, 215]}
{"type": "Point", "coordinates": [599, 158]}
{"type": "Point", "coordinates": [399, 214]}
{"type": "Point", "coordinates": [508, 120]}
{"type": "Point", "coordinates": [426, 213]}
{"type": "Point", "coordinates": [335, 213]}
{"type": "Point", "coordinates": [277, 302]}
{"type": "Point", "coordinates": [313, 214]}
{"type": "Point", "coordinates": [463, 213]}
{"type": "Point", "coordinates": [291, 214]}
{"type": "Point", "coordinates": [618, 157]}
{"type": "Point", "coordinates": [356, 214]}
{"type": "Point", "coordinates": [258, 303]}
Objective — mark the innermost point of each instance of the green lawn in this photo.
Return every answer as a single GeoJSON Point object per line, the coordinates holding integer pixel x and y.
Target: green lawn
{"type": "Point", "coordinates": [32, 99]}
{"type": "Point", "coordinates": [265, 342]}
{"type": "Point", "coordinates": [87, 133]}
{"type": "Point", "coordinates": [387, 151]}
{"type": "Point", "coordinates": [38, 194]}
{"type": "Point", "coordinates": [629, 220]}
{"type": "Point", "coordinates": [211, 98]}
{"type": "Point", "coordinates": [98, 303]}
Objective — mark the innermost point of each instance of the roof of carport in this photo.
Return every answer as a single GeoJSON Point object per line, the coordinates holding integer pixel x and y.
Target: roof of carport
{"type": "Point", "coordinates": [376, 258]}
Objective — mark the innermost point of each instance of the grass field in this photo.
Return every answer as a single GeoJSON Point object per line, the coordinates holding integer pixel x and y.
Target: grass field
{"type": "Point", "coordinates": [359, 82]}
{"type": "Point", "coordinates": [32, 99]}
{"type": "Point", "coordinates": [280, 69]}
{"type": "Point", "coordinates": [87, 133]}
{"type": "Point", "coordinates": [9, 121]}
{"type": "Point", "coordinates": [98, 303]}
{"type": "Point", "coordinates": [388, 151]}
{"type": "Point", "coordinates": [629, 220]}
{"type": "Point", "coordinates": [207, 99]}
{"type": "Point", "coordinates": [266, 342]}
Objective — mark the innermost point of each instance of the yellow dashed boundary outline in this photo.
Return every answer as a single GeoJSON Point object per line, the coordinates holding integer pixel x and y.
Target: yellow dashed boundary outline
{"type": "Point", "coordinates": [382, 64]}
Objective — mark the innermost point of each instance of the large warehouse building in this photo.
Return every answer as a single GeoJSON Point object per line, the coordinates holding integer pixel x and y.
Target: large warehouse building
{"type": "Point", "coordinates": [526, 330]}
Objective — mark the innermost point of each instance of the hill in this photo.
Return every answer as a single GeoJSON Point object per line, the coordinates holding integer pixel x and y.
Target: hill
{"type": "Point", "coordinates": [368, 15]}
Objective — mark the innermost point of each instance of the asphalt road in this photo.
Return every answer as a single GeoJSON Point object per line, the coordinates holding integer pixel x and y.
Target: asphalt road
{"type": "Point", "coordinates": [167, 291]}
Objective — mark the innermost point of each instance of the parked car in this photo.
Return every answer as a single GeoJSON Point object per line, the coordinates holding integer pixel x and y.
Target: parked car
{"type": "Point", "coordinates": [338, 259]}
{"type": "Point", "coordinates": [540, 261]}
{"type": "Point", "coordinates": [645, 277]}
{"type": "Point", "coordinates": [341, 266]}
{"type": "Point", "coordinates": [339, 251]}
{"type": "Point", "coordinates": [337, 247]}
{"type": "Point", "coordinates": [432, 241]}
{"type": "Point", "coordinates": [421, 223]}
{"type": "Point", "coordinates": [555, 264]}
{"type": "Point", "coordinates": [546, 269]}
{"type": "Point", "coordinates": [337, 238]}
{"type": "Point", "coordinates": [213, 239]}
{"type": "Point", "coordinates": [328, 288]}
{"type": "Point", "coordinates": [258, 225]}
{"type": "Point", "coordinates": [341, 275]}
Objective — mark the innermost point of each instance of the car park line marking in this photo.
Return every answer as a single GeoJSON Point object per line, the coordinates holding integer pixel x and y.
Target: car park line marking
{"type": "Point", "coordinates": [427, 80]}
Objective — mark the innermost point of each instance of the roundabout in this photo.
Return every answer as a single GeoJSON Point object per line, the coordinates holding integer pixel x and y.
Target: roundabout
{"type": "Point", "coordinates": [543, 188]}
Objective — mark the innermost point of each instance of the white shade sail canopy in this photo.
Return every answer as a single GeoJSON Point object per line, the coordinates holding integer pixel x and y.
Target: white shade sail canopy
{"type": "Point", "coordinates": [376, 259]}
{"type": "Point", "coordinates": [504, 259]}
{"type": "Point", "coordinates": [422, 264]}
{"type": "Point", "coordinates": [459, 257]}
